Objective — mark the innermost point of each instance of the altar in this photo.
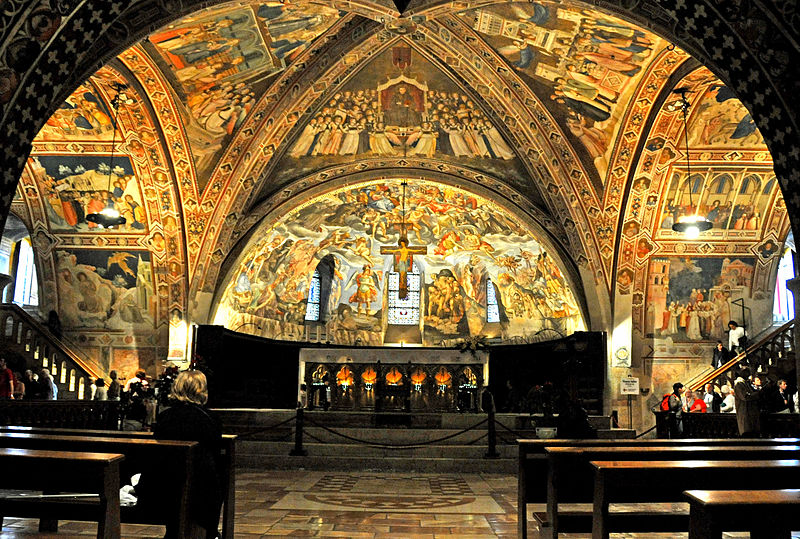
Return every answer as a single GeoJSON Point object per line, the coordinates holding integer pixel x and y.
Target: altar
{"type": "Point", "coordinates": [393, 379]}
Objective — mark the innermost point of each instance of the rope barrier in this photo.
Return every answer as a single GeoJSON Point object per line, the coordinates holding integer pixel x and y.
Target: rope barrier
{"type": "Point", "coordinates": [515, 433]}
{"type": "Point", "coordinates": [265, 429]}
{"type": "Point", "coordinates": [645, 432]}
{"type": "Point", "coordinates": [396, 446]}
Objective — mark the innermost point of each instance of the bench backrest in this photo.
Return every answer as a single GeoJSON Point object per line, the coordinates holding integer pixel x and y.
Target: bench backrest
{"type": "Point", "coordinates": [665, 481]}
{"type": "Point", "coordinates": [33, 469]}
{"type": "Point", "coordinates": [533, 464]}
{"type": "Point", "coordinates": [572, 472]}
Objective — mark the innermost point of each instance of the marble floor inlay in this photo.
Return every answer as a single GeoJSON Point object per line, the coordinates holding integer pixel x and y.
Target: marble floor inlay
{"type": "Point", "coordinates": [359, 505]}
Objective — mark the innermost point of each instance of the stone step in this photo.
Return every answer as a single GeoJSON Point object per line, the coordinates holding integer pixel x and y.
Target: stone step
{"type": "Point", "coordinates": [384, 464]}
{"type": "Point", "coordinates": [251, 448]}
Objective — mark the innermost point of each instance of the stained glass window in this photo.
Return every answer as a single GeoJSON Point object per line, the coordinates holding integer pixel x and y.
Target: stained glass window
{"type": "Point", "coordinates": [492, 312]}
{"type": "Point", "coordinates": [404, 312]}
{"type": "Point", "coordinates": [312, 305]}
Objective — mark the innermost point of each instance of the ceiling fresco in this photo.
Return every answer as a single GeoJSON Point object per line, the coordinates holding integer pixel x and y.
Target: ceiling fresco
{"type": "Point", "coordinates": [242, 108]}
{"type": "Point", "coordinates": [120, 287]}
{"type": "Point", "coordinates": [219, 62]}
{"type": "Point", "coordinates": [400, 105]}
{"type": "Point", "coordinates": [469, 241]}
{"type": "Point", "coordinates": [584, 64]}
{"type": "Point", "coordinates": [683, 292]}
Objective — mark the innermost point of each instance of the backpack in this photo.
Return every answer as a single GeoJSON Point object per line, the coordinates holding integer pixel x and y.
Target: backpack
{"type": "Point", "coordinates": [665, 403]}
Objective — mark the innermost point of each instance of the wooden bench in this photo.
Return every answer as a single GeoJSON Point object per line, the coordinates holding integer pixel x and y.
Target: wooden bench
{"type": "Point", "coordinates": [766, 514]}
{"type": "Point", "coordinates": [63, 471]}
{"type": "Point", "coordinates": [664, 482]}
{"type": "Point", "coordinates": [533, 465]}
{"type": "Point", "coordinates": [174, 461]}
{"type": "Point", "coordinates": [571, 478]}
{"type": "Point", "coordinates": [227, 462]}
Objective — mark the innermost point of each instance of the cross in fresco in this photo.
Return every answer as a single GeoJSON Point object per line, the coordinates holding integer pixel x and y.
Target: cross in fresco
{"type": "Point", "coordinates": [404, 253]}
{"type": "Point", "coordinates": [404, 259]}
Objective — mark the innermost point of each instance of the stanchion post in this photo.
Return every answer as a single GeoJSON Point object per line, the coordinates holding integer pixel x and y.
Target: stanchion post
{"type": "Point", "coordinates": [492, 437]}
{"type": "Point", "coordinates": [298, 450]}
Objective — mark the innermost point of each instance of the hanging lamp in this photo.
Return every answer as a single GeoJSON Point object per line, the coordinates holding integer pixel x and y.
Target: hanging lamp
{"type": "Point", "coordinates": [110, 217]}
{"type": "Point", "coordinates": [689, 225]}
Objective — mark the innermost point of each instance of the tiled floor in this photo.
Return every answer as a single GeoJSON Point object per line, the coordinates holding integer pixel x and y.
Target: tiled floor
{"type": "Point", "coordinates": [356, 505]}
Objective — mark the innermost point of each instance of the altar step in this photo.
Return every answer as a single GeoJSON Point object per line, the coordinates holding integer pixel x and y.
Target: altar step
{"type": "Point", "coordinates": [339, 440]}
{"type": "Point", "coordinates": [263, 455]}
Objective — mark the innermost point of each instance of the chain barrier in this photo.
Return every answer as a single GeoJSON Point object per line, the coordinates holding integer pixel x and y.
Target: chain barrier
{"type": "Point", "coordinates": [397, 446]}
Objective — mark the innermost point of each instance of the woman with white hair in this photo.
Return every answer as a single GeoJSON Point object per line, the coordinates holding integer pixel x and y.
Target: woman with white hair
{"type": "Point", "coordinates": [728, 405]}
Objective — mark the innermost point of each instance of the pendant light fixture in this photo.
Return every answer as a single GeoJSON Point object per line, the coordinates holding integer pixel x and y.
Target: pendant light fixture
{"type": "Point", "coordinates": [110, 217]}
{"type": "Point", "coordinates": [689, 225]}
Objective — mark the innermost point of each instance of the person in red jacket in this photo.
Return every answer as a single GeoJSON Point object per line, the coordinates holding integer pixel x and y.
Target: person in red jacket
{"type": "Point", "coordinates": [6, 381]}
{"type": "Point", "coordinates": [694, 404]}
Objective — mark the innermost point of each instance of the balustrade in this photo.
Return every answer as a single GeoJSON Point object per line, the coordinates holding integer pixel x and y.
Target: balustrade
{"type": "Point", "coordinates": [25, 338]}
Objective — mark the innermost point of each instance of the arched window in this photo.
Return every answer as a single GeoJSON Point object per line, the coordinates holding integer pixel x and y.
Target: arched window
{"type": "Point", "coordinates": [26, 289]}
{"type": "Point", "coordinates": [404, 312]}
{"type": "Point", "coordinates": [319, 291]}
{"type": "Point", "coordinates": [492, 311]}
{"type": "Point", "coordinates": [312, 304]}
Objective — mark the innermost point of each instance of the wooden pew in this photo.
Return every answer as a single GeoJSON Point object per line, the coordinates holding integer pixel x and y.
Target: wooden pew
{"type": "Point", "coordinates": [713, 511]}
{"type": "Point", "coordinates": [63, 471]}
{"type": "Point", "coordinates": [571, 479]}
{"type": "Point", "coordinates": [175, 460]}
{"type": "Point", "coordinates": [227, 462]}
{"type": "Point", "coordinates": [533, 464]}
{"type": "Point", "coordinates": [664, 481]}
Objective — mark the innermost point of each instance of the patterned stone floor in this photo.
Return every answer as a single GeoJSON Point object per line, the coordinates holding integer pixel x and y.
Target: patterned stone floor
{"type": "Point", "coordinates": [357, 505]}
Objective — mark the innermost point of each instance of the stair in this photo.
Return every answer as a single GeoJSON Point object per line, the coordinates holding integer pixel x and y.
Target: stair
{"type": "Point", "coordinates": [332, 440]}
{"type": "Point", "coordinates": [774, 349]}
{"type": "Point", "coordinates": [28, 344]}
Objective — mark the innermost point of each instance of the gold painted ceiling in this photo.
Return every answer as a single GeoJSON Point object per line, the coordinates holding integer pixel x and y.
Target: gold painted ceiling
{"type": "Point", "coordinates": [557, 108]}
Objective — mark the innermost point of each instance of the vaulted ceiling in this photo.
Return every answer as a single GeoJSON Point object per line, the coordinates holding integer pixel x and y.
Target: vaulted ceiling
{"type": "Point", "coordinates": [559, 110]}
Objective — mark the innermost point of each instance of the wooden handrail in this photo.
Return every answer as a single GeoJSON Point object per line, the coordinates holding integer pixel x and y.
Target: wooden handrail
{"type": "Point", "coordinates": [57, 343]}
{"type": "Point", "coordinates": [708, 377]}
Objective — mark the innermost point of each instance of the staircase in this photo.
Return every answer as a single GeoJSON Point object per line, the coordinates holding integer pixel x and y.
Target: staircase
{"type": "Point", "coordinates": [26, 343]}
{"type": "Point", "coordinates": [775, 349]}
{"type": "Point", "coordinates": [424, 443]}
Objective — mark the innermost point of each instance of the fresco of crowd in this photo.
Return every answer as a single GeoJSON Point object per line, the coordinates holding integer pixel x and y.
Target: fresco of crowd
{"type": "Point", "coordinates": [354, 123]}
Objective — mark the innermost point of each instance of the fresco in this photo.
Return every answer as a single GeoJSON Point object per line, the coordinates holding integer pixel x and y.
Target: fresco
{"type": "Point", "coordinates": [105, 289]}
{"type": "Point", "coordinates": [400, 105]}
{"type": "Point", "coordinates": [735, 200]}
{"type": "Point", "coordinates": [83, 116]}
{"type": "Point", "coordinates": [583, 63]}
{"type": "Point", "coordinates": [689, 299]}
{"type": "Point", "coordinates": [76, 185]}
{"type": "Point", "coordinates": [722, 120]}
{"type": "Point", "coordinates": [219, 61]}
{"type": "Point", "coordinates": [469, 241]}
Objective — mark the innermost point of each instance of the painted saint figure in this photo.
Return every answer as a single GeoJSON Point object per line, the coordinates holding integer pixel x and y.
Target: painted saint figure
{"type": "Point", "coordinates": [366, 291]}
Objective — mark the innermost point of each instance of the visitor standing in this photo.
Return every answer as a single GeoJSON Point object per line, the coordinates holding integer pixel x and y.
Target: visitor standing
{"type": "Point", "coordinates": [720, 356]}
{"type": "Point", "coordinates": [748, 413]}
{"type": "Point", "coordinates": [100, 392]}
{"type": "Point", "coordinates": [6, 381]}
{"type": "Point", "coordinates": [114, 387]}
{"type": "Point", "coordinates": [736, 338]}
{"type": "Point", "coordinates": [676, 410]}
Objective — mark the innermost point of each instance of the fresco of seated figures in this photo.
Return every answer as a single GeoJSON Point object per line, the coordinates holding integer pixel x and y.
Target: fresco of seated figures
{"type": "Point", "coordinates": [585, 65]}
{"type": "Point", "coordinates": [76, 185]}
{"type": "Point", "coordinates": [219, 61]}
{"type": "Point", "coordinates": [474, 262]}
{"type": "Point", "coordinates": [400, 104]}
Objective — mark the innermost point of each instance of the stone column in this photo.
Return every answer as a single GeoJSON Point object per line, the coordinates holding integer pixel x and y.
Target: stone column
{"type": "Point", "coordinates": [794, 286]}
